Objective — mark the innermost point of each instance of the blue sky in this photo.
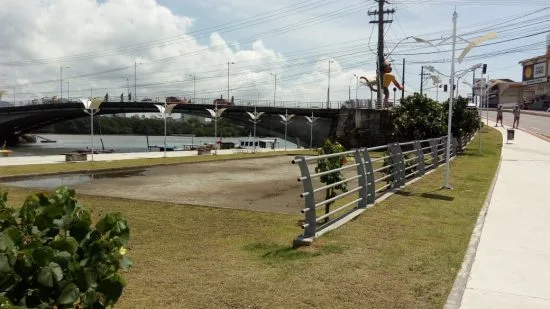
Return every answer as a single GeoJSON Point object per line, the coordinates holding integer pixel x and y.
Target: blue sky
{"type": "Point", "coordinates": [310, 33]}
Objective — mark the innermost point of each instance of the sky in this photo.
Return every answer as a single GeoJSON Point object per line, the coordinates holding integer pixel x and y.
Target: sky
{"type": "Point", "coordinates": [159, 48]}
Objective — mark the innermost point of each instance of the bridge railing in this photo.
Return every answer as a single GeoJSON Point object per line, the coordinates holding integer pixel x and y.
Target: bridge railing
{"type": "Point", "coordinates": [238, 102]}
{"type": "Point", "coordinates": [371, 174]}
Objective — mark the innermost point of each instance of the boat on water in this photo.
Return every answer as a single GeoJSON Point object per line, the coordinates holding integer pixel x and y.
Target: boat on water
{"type": "Point", "coordinates": [259, 143]}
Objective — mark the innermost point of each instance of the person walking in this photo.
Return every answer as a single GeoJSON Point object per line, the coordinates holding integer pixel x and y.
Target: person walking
{"type": "Point", "coordinates": [516, 116]}
{"type": "Point", "coordinates": [499, 115]}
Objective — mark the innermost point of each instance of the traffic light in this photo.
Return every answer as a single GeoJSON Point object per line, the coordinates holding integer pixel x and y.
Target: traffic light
{"type": "Point", "coordinates": [444, 88]}
{"type": "Point", "coordinates": [454, 87]}
{"type": "Point", "coordinates": [484, 70]}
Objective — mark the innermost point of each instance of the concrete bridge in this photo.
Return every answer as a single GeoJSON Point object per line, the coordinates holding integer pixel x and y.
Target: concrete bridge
{"type": "Point", "coordinates": [353, 127]}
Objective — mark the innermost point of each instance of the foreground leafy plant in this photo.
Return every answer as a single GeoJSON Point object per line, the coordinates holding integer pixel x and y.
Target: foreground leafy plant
{"type": "Point", "coordinates": [50, 256]}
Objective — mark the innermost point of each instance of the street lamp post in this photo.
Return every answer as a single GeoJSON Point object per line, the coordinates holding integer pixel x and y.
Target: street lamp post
{"type": "Point", "coordinates": [61, 82]}
{"type": "Point", "coordinates": [449, 122]}
{"type": "Point", "coordinates": [286, 120]}
{"type": "Point", "coordinates": [328, 89]}
{"type": "Point", "coordinates": [216, 114]}
{"type": "Point", "coordinates": [68, 92]}
{"type": "Point", "coordinates": [194, 89]}
{"type": "Point", "coordinates": [356, 88]}
{"type": "Point", "coordinates": [255, 118]}
{"type": "Point", "coordinates": [91, 107]}
{"type": "Point", "coordinates": [165, 110]}
{"type": "Point", "coordinates": [471, 44]}
{"type": "Point", "coordinates": [228, 63]}
{"type": "Point", "coordinates": [311, 122]}
{"type": "Point", "coordinates": [274, 88]}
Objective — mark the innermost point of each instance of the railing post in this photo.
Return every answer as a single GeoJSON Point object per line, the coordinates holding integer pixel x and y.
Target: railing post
{"type": "Point", "coordinates": [454, 146]}
{"type": "Point", "coordinates": [420, 169]}
{"type": "Point", "coordinates": [369, 170]}
{"type": "Point", "coordinates": [309, 201]}
{"type": "Point", "coordinates": [363, 193]}
{"type": "Point", "coordinates": [399, 162]}
{"type": "Point", "coordinates": [435, 154]}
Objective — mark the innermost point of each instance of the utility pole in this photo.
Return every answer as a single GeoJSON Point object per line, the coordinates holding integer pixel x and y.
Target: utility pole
{"type": "Point", "coordinates": [274, 88]}
{"type": "Point", "coordinates": [422, 75]}
{"type": "Point", "coordinates": [381, 21]}
{"type": "Point", "coordinates": [403, 81]}
{"type": "Point", "coordinates": [135, 81]}
{"type": "Point", "coordinates": [328, 89]}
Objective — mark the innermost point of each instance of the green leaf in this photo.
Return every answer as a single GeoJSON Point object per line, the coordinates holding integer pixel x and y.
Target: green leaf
{"type": "Point", "coordinates": [89, 298]}
{"type": "Point", "coordinates": [79, 229]}
{"type": "Point", "coordinates": [48, 275]}
{"type": "Point", "coordinates": [87, 278]}
{"type": "Point", "coordinates": [69, 294]}
{"type": "Point", "coordinates": [125, 263]}
{"type": "Point", "coordinates": [54, 211]}
{"type": "Point", "coordinates": [14, 234]}
{"type": "Point", "coordinates": [106, 224]}
{"type": "Point", "coordinates": [42, 256]}
{"type": "Point", "coordinates": [62, 258]}
{"type": "Point", "coordinates": [5, 266]}
{"type": "Point", "coordinates": [111, 288]}
{"type": "Point", "coordinates": [5, 242]}
{"type": "Point", "coordinates": [68, 244]}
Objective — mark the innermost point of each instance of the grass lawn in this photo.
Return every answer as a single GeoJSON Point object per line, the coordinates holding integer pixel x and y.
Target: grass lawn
{"type": "Point", "coordinates": [103, 165]}
{"type": "Point", "coordinates": [403, 253]}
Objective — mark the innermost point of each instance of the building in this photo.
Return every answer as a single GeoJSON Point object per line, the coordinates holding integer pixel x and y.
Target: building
{"type": "Point", "coordinates": [535, 92]}
{"type": "Point", "coordinates": [504, 92]}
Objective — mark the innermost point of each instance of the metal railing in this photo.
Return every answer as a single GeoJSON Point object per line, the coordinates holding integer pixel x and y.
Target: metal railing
{"type": "Point", "coordinates": [361, 104]}
{"type": "Point", "coordinates": [371, 174]}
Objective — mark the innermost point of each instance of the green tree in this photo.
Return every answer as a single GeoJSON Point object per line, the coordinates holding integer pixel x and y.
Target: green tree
{"type": "Point", "coordinates": [465, 121]}
{"type": "Point", "coordinates": [418, 118]}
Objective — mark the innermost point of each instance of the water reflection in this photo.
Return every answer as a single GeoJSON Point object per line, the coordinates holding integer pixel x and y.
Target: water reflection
{"type": "Point", "coordinates": [52, 182]}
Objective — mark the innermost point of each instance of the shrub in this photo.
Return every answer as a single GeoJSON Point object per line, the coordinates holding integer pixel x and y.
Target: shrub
{"type": "Point", "coordinates": [418, 118]}
{"type": "Point", "coordinates": [465, 121]}
{"type": "Point", "coordinates": [329, 164]}
{"type": "Point", "coordinates": [50, 256]}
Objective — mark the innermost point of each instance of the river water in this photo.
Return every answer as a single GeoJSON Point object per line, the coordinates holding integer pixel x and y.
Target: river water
{"type": "Point", "coordinates": [120, 143]}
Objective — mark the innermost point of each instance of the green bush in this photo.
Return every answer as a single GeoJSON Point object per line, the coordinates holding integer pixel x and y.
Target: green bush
{"type": "Point", "coordinates": [51, 256]}
{"type": "Point", "coordinates": [329, 164]}
{"type": "Point", "coordinates": [418, 118]}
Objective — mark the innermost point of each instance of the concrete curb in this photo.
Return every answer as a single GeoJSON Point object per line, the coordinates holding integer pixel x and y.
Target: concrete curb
{"type": "Point", "coordinates": [544, 138]}
{"type": "Point", "coordinates": [454, 299]}
{"type": "Point", "coordinates": [524, 112]}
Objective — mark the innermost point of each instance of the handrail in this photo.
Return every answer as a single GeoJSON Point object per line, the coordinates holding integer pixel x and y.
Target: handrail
{"type": "Point", "coordinates": [398, 168]}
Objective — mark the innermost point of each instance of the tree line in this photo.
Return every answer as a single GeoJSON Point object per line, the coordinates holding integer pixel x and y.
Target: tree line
{"type": "Point", "coordinates": [419, 117]}
{"type": "Point", "coordinates": [144, 126]}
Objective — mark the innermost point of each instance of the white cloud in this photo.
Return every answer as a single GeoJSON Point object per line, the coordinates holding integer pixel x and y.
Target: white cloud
{"type": "Point", "coordinates": [92, 36]}
{"type": "Point", "coordinates": [86, 37]}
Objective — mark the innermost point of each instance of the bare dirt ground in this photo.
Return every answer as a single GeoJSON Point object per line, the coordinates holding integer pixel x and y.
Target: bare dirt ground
{"type": "Point", "coordinates": [264, 184]}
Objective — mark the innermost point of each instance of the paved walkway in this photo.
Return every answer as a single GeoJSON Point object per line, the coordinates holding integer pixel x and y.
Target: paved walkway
{"type": "Point", "coordinates": [511, 268]}
{"type": "Point", "coordinates": [6, 161]}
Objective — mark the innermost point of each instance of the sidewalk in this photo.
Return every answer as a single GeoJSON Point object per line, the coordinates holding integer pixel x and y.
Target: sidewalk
{"type": "Point", "coordinates": [7, 161]}
{"type": "Point", "coordinates": [511, 268]}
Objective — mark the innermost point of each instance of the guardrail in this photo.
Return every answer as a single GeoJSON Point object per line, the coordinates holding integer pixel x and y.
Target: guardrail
{"type": "Point", "coordinates": [361, 104]}
{"type": "Point", "coordinates": [371, 174]}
